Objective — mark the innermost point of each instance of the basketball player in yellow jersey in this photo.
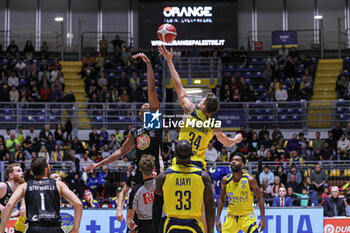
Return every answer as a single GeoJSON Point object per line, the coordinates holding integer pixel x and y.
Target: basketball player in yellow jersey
{"type": "Point", "coordinates": [182, 188]}
{"type": "Point", "coordinates": [198, 137]}
{"type": "Point", "coordinates": [239, 188]}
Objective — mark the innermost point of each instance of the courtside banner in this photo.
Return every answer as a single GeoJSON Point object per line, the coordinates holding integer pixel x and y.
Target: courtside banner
{"type": "Point", "coordinates": [278, 220]}
{"type": "Point", "coordinates": [287, 38]}
{"type": "Point", "coordinates": [336, 225]}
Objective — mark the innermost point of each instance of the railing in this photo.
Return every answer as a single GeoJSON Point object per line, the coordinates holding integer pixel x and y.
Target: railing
{"type": "Point", "coordinates": [90, 39]}
{"type": "Point", "coordinates": [294, 115]}
{"type": "Point", "coordinates": [51, 37]}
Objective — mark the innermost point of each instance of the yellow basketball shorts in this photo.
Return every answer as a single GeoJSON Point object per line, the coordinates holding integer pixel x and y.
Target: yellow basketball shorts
{"type": "Point", "coordinates": [246, 223]}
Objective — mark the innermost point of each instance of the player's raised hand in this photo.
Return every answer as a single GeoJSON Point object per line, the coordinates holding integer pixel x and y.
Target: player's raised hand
{"type": "Point", "coordinates": [143, 57]}
{"type": "Point", "coordinates": [165, 53]}
{"type": "Point", "coordinates": [91, 167]}
{"type": "Point", "coordinates": [218, 225]}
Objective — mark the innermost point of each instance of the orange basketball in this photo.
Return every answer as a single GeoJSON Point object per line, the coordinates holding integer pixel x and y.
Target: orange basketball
{"type": "Point", "coordinates": [167, 32]}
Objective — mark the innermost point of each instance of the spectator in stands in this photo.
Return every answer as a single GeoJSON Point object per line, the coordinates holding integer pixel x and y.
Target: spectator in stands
{"type": "Point", "coordinates": [114, 143]}
{"type": "Point", "coordinates": [56, 154]}
{"type": "Point", "coordinates": [292, 144]}
{"type": "Point", "coordinates": [211, 155]}
{"type": "Point", "coordinates": [293, 90]}
{"type": "Point", "coordinates": [45, 93]}
{"type": "Point", "coordinates": [177, 55]}
{"type": "Point", "coordinates": [85, 160]}
{"type": "Point", "coordinates": [317, 145]}
{"type": "Point", "coordinates": [123, 82]}
{"type": "Point", "coordinates": [44, 50]}
{"type": "Point", "coordinates": [266, 141]}
{"type": "Point", "coordinates": [103, 43]}
{"type": "Point", "coordinates": [282, 199]}
{"type": "Point", "coordinates": [304, 197]}
{"type": "Point", "coordinates": [276, 186]}
{"type": "Point", "coordinates": [88, 59]}
{"type": "Point", "coordinates": [89, 201]}
{"type": "Point", "coordinates": [100, 62]}
{"type": "Point", "coordinates": [332, 142]}
{"type": "Point", "coordinates": [34, 95]}
{"type": "Point", "coordinates": [43, 153]}
{"type": "Point", "coordinates": [76, 158]}
{"type": "Point", "coordinates": [283, 53]}
{"type": "Point", "coordinates": [77, 146]}
{"type": "Point", "coordinates": [236, 96]}
{"type": "Point", "coordinates": [94, 152]}
{"type": "Point", "coordinates": [56, 95]}
{"type": "Point", "coordinates": [21, 69]}
{"type": "Point", "coordinates": [347, 131]}
{"type": "Point", "coordinates": [289, 67]}
{"type": "Point", "coordinates": [292, 183]}
{"type": "Point", "coordinates": [253, 145]}
{"type": "Point", "coordinates": [271, 61]}
{"type": "Point", "coordinates": [277, 136]}
{"type": "Point", "coordinates": [281, 174]}
{"type": "Point", "coordinates": [12, 51]}
{"type": "Point", "coordinates": [11, 144]}
{"type": "Point", "coordinates": [106, 152]}
{"type": "Point", "coordinates": [341, 88]}
{"type": "Point", "coordinates": [326, 152]}
{"type": "Point", "coordinates": [94, 137]}
{"type": "Point", "coordinates": [297, 174]}
{"type": "Point", "coordinates": [334, 206]}
{"type": "Point", "coordinates": [59, 134]}
{"type": "Point", "coordinates": [304, 144]}
{"type": "Point", "coordinates": [337, 131]}
{"type": "Point", "coordinates": [262, 132]}
{"type": "Point", "coordinates": [166, 149]}
{"type": "Point", "coordinates": [44, 133]}
{"type": "Point", "coordinates": [325, 195]}
{"type": "Point", "coordinates": [290, 193]}
{"type": "Point", "coordinates": [343, 147]}
{"type": "Point", "coordinates": [226, 94]}
{"type": "Point", "coordinates": [103, 136]}
{"type": "Point", "coordinates": [266, 185]}
{"type": "Point", "coordinates": [117, 46]}
{"type": "Point", "coordinates": [267, 174]}
{"type": "Point", "coordinates": [262, 152]}
{"type": "Point", "coordinates": [13, 80]}
{"type": "Point", "coordinates": [318, 178]}
{"type": "Point", "coordinates": [305, 89]}
{"type": "Point", "coordinates": [281, 94]}
{"type": "Point", "coordinates": [92, 184]}
{"type": "Point", "coordinates": [135, 95]}
{"type": "Point", "coordinates": [50, 144]}
{"type": "Point", "coordinates": [14, 95]}
{"type": "Point", "coordinates": [27, 147]}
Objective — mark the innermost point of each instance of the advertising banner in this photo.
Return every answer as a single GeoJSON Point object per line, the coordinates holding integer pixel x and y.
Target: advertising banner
{"type": "Point", "coordinates": [336, 225]}
{"type": "Point", "coordinates": [230, 118]}
{"type": "Point", "coordinates": [287, 38]}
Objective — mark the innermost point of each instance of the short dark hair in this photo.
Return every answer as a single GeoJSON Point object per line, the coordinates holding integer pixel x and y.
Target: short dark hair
{"type": "Point", "coordinates": [183, 149]}
{"type": "Point", "coordinates": [240, 155]}
{"type": "Point", "coordinates": [38, 166]}
{"type": "Point", "coordinates": [211, 103]}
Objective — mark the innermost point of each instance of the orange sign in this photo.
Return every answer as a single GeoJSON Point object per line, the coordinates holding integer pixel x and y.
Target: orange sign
{"type": "Point", "coordinates": [11, 226]}
{"type": "Point", "coordinates": [336, 225]}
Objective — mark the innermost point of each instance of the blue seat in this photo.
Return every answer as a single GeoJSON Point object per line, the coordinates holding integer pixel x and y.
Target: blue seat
{"type": "Point", "coordinates": [262, 96]}
{"type": "Point", "coordinates": [263, 61]}
{"type": "Point", "coordinates": [248, 75]}
{"type": "Point", "coordinates": [119, 69]}
{"type": "Point", "coordinates": [255, 61]}
{"type": "Point", "coordinates": [314, 60]}
{"type": "Point", "coordinates": [296, 118]}
{"type": "Point", "coordinates": [7, 112]}
{"type": "Point", "coordinates": [112, 76]}
{"type": "Point", "coordinates": [157, 75]}
{"type": "Point", "coordinates": [260, 118]}
{"type": "Point", "coordinates": [291, 111]}
{"type": "Point", "coordinates": [251, 68]}
{"type": "Point", "coordinates": [230, 69]}
{"type": "Point", "coordinates": [259, 74]}
{"type": "Point", "coordinates": [40, 119]}
{"type": "Point", "coordinates": [251, 118]}
{"type": "Point", "coordinates": [9, 119]}
{"type": "Point", "coordinates": [347, 59]}
{"type": "Point", "coordinates": [270, 118]}
{"type": "Point", "coordinates": [261, 88]}
{"type": "Point", "coordinates": [281, 67]}
{"type": "Point", "coordinates": [53, 119]}
{"type": "Point", "coordinates": [28, 119]}
{"type": "Point", "coordinates": [340, 110]}
{"type": "Point", "coordinates": [240, 68]}
{"type": "Point", "coordinates": [283, 118]}
{"type": "Point", "coordinates": [248, 81]}
{"type": "Point", "coordinates": [280, 111]}
{"type": "Point", "coordinates": [98, 119]}
{"type": "Point", "coordinates": [342, 117]}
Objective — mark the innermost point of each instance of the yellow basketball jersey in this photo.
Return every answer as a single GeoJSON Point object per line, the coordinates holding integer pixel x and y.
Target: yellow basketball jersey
{"type": "Point", "coordinates": [199, 137]}
{"type": "Point", "coordinates": [183, 192]}
{"type": "Point", "coordinates": [240, 196]}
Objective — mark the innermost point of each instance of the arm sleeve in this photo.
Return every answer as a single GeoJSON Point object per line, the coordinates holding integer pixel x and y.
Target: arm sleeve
{"type": "Point", "coordinates": [157, 212]}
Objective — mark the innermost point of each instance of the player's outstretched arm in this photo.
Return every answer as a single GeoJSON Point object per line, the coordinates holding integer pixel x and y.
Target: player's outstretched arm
{"type": "Point", "coordinates": [67, 194]}
{"type": "Point", "coordinates": [185, 102]}
{"type": "Point", "coordinates": [158, 202]}
{"type": "Point", "coordinates": [127, 146]}
{"type": "Point", "coordinates": [254, 186]}
{"type": "Point", "coordinates": [209, 202]}
{"type": "Point", "coordinates": [121, 201]}
{"type": "Point", "coordinates": [151, 83]}
{"type": "Point", "coordinates": [226, 141]}
{"type": "Point", "coordinates": [221, 203]}
{"type": "Point", "coordinates": [15, 198]}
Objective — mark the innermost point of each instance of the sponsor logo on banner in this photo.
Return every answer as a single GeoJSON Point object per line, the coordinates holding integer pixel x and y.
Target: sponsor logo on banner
{"type": "Point", "coordinates": [336, 225]}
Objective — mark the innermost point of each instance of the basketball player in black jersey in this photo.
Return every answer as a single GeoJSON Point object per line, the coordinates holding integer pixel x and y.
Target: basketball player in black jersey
{"type": "Point", "coordinates": [147, 141]}
{"type": "Point", "coordinates": [42, 197]}
{"type": "Point", "coordinates": [15, 177]}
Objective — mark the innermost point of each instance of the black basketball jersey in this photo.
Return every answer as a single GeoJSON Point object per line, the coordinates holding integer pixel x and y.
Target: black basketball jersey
{"type": "Point", "coordinates": [6, 198]}
{"type": "Point", "coordinates": [43, 202]}
{"type": "Point", "coordinates": [147, 141]}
